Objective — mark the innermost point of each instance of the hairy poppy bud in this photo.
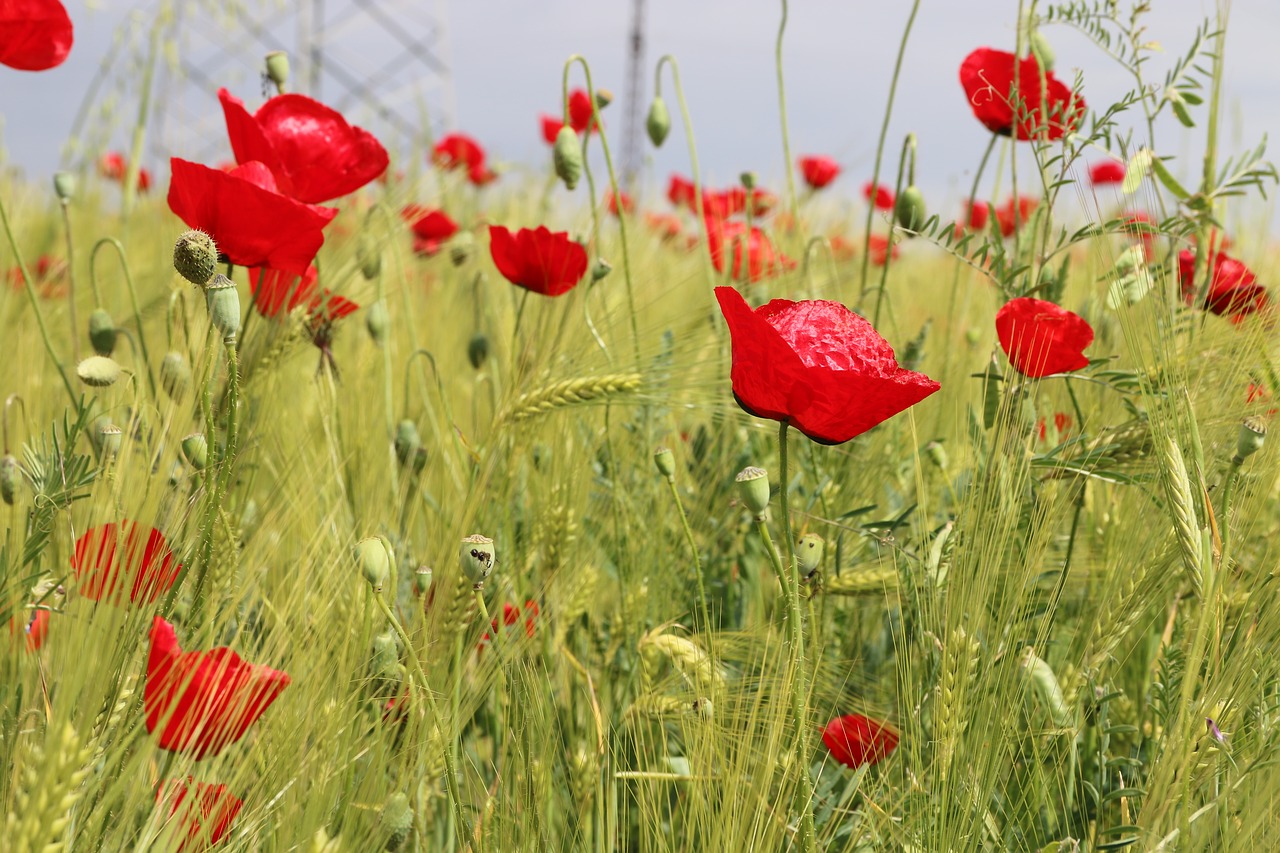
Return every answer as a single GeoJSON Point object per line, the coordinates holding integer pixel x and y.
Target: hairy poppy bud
{"type": "Point", "coordinates": [665, 461]}
{"type": "Point", "coordinates": [567, 156]}
{"type": "Point", "coordinates": [748, 180]}
{"type": "Point", "coordinates": [98, 371]}
{"type": "Point", "coordinates": [102, 332]}
{"type": "Point", "coordinates": [600, 269]}
{"type": "Point", "coordinates": [195, 257]}
{"type": "Point", "coordinates": [477, 558]}
{"type": "Point", "coordinates": [422, 579]}
{"type": "Point", "coordinates": [110, 438]}
{"type": "Point", "coordinates": [278, 70]}
{"type": "Point", "coordinates": [604, 97]}
{"type": "Point", "coordinates": [175, 375]}
{"type": "Point", "coordinates": [1253, 432]}
{"type": "Point", "coordinates": [223, 301]}
{"type": "Point", "coordinates": [369, 258]}
{"type": "Point", "coordinates": [753, 488]}
{"type": "Point", "coordinates": [377, 321]}
{"type": "Point", "coordinates": [10, 477]}
{"type": "Point", "coordinates": [64, 184]}
{"type": "Point", "coordinates": [407, 441]}
{"type": "Point", "coordinates": [478, 349]}
{"type": "Point", "coordinates": [658, 122]}
{"type": "Point", "coordinates": [461, 248]}
{"type": "Point", "coordinates": [909, 208]}
{"type": "Point", "coordinates": [373, 556]}
{"type": "Point", "coordinates": [396, 820]}
{"type": "Point", "coordinates": [809, 553]}
{"type": "Point", "coordinates": [195, 449]}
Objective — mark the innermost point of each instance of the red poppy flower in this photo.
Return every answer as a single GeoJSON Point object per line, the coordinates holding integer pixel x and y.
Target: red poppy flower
{"type": "Point", "coordinates": [202, 702]}
{"type": "Point", "coordinates": [252, 223]}
{"type": "Point", "coordinates": [842, 248]}
{"type": "Point", "coordinates": [817, 365]}
{"type": "Point", "coordinates": [112, 166]}
{"type": "Point", "coordinates": [1015, 213]}
{"type": "Point", "coordinates": [35, 35]}
{"type": "Point", "coordinates": [277, 293]}
{"type": "Point", "coordinates": [1106, 172]}
{"type": "Point", "coordinates": [818, 171]}
{"type": "Point", "coordinates": [550, 128]}
{"type": "Point", "coordinates": [665, 225]}
{"type": "Point", "coordinates": [510, 615]}
{"type": "Point", "coordinates": [1061, 423]}
{"type": "Point", "coordinates": [310, 149]}
{"type": "Point", "coordinates": [458, 151]}
{"type": "Point", "coordinates": [1233, 291]}
{"type": "Point", "coordinates": [48, 274]}
{"type": "Point", "coordinates": [979, 213]}
{"type": "Point", "coordinates": [681, 193]}
{"type": "Point", "coordinates": [882, 250]}
{"type": "Point", "coordinates": [879, 195]}
{"type": "Point", "coordinates": [481, 175]}
{"type": "Point", "coordinates": [113, 558]}
{"type": "Point", "coordinates": [762, 201]}
{"type": "Point", "coordinates": [203, 811]}
{"type": "Point", "coordinates": [431, 228]}
{"type": "Point", "coordinates": [721, 204]}
{"type": "Point", "coordinates": [1041, 338]}
{"type": "Point", "coordinates": [33, 628]}
{"type": "Point", "coordinates": [611, 202]}
{"type": "Point", "coordinates": [543, 261]}
{"type": "Point", "coordinates": [581, 111]}
{"type": "Point", "coordinates": [987, 76]}
{"type": "Point", "coordinates": [855, 740]}
{"type": "Point", "coordinates": [754, 257]}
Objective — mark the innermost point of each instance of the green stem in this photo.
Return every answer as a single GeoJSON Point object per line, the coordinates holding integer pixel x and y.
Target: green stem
{"type": "Point", "coordinates": [133, 299]}
{"type": "Point", "coordinates": [1228, 490]}
{"type": "Point", "coordinates": [144, 107]}
{"type": "Point", "coordinates": [908, 145]}
{"type": "Point", "coordinates": [788, 167]}
{"type": "Point", "coordinates": [71, 283]}
{"type": "Point", "coordinates": [670, 60]}
{"type": "Point", "coordinates": [693, 549]}
{"type": "Point", "coordinates": [219, 478]}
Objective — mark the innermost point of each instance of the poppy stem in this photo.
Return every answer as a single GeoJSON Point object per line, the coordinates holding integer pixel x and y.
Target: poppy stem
{"type": "Point", "coordinates": [133, 299]}
{"type": "Point", "coordinates": [670, 60]}
{"type": "Point", "coordinates": [693, 549]}
{"type": "Point", "coordinates": [134, 168]}
{"type": "Point", "coordinates": [788, 168]}
{"type": "Point", "coordinates": [71, 282]}
{"type": "Point", "coordinates": [908, 147]}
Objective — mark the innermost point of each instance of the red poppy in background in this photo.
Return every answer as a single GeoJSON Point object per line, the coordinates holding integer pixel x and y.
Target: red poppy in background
{"type": "Point", "coordinates": [1015, 213]}
{"type": "Point", "coordinates": [277, 293]}
{"type": "Point", "coordinates": [537, 259]}
{"type": "Point", "coordinates": [581, 111]}
{"type": "Point", "coordinates": [1061, 423]}
{"type": "Point", "coordinates": [510, 615]}
{"type": "Point", "coordinates": [1041, 338]}
{"type": "Point", "coordinates": [48, 275]}
{"type": "Point", "coordinates": [112, 166]}
{"type": "Point", "coordinates": [431, 228]}
{"type": "Point", "coordinates": [842, 248]}
{"type": "Point", "coordinates": [34, 628]}
{"type": "Point", "coordinates": [203, 811]}
{"type": "Point", "coordinates": [879, 195]}
{"type": "Point", "coordinates": [35, 35]}
{"type": "Point", "coordinates": [459, 151]}
{"type": "Point", "coordinates": [202, 702]}
{"type": "Point", "coordinates": [1106, 172]}
{"type": "Point", "coordinates": [1234, 291]}
{"type": "Point", "coordinates": [666, 225]}
{"type": "Point", "coordinates": [817, 365]}
{"type": "Point", "coordinates": [116, 557]}
{"type": "Point", "coordinates": [855, 740]}
{"type": "Point", "coordinates": [818, 171]}
{"type": "Point", "coordinates": [979, 213]}
{"type": "Point", "coordinates": [611, 202]}
{"type": "Point", "coordinates": [754, 257]}
{"type": "Point", "coordinates": [987, 76]}
{"type": "Point", "coordinates": [252, 223]}
{"type": "Point", "coordinates": [681, 193]}
{"type": "Point", "coordinates": [881, 250]}
{"type": "Point", "coordinates": [310, 149]}
{"type": "Point", "coordinates": [721, 204]}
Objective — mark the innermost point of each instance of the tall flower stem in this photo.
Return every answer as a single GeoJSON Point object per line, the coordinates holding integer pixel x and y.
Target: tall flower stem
{"type": "Point", "coordinates": [670, 60]}
{"type": "Point", "coordinates": [908, 155]}
{"type": "Point", "coordinates": [219, 479]}
{"type": "Point", "coordinates": [133, 299]}
{"type": "Point", "coordinates": [71, 282]}
{"type": "Point", "coordinates": [788, 169]}
{"type": "Point", "coordinates": [693, 549]}
{"type": "Point", "coordinates": [134, 167]}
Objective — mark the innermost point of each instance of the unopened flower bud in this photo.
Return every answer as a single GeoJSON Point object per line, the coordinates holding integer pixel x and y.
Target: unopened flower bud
{"type": "Point", "coordinates": [369, 258]}
{"type": "Point", "coordinates": [1042, 50]}
{"type": "Point", "coordinates": [98, 371]}
{"type": "Point", "coordinates": [10, 477]}
{"type": "Point", "coordinates": [373, 556]}
{"type": "Point", "coordinates": [111, 439]}
{"type": "Point", "coordinates": [600, 269]}
{"type": "Point", "coordinates": [1253, 432]}
{"type": "Point", "coordinates": [658, 122]}
{"type": "Point", "coordinates": [477, 558]}
{"type": "Point", "coordinates": [753, 488]}
{"type": "Point", "coordinates": [223, 301]}
{"type": "Point", "coordinates": [377, 321]}
{"type": "Point", "coordinates": [396, 820]}
{"type": "Point", "coordinates": [102, 332]}
{"type": "Point", "coordinates": [748, 180]}
{"type": "Point", "coordinates": [195, 449]}
{"type": "Point", "coordinates": [278, 70]}
{"type": "Point", "coordinates": [407, 441]}
{"type": "Point", "coordinates": [567, 156]}
{"type": "Point", "coordinates": [64, 185]}
{"type": "Point", "coordinates": [175, 375]}
{"type": "Point", "coordinates": [461, 248]}
{"type": "Point", "coordinates": [909, 208]}
{"type": "Point", "coordinates": [604, 98]}
{"type": "Point", "coordinates": [665, 460]}
{"type": "Point", "coordinates": [195, 257]}
{"type": "Point", "coordinates": [809, 553]}
{"type": "Point", "coordinates": [478, 349]}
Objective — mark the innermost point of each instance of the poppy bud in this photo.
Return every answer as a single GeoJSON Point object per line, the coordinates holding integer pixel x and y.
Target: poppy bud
{"type": "Point", "coordinates": [600, 269]}
{"type": "Point", "coordinates": [64, 184]}
{"type": "Point", "coordinates": [461, 248]}
{"type": "Point", "coordinates": [369, 258]}
{"type": "Point", "coordinates": [937, 454]}
{"type": "Point", "coordinates": [407, 441]}
{"type": "Point", "coordinates": [223, 301]}
{"type": "Point", "coordinates": [809, 553]}
{"type": "Point", "coordinates": [175, 375]}
{"type": "Point", "coordinates": [278, 70]}
{"type": "Point", "coordinates": [422, 579]}
{"type": "Point", "coordinates": [102, 332]}
{"type": "Point", "coordinates": [373, 556]}
{"type": "Point", "coordinates": [396, 820]}
{"type": "Point", "coordinates": [377, 322]}
{"type": "Point", "coordinates": [753, 488]}
{"type": "Point", "coordinates": [567, 156]}
{"type": "Point", "coordinates": [1253, 432]}
{"type": "Point", "coordinates": [98, 371]}
{"type": "Point", "coordinates": [110, 439]}
{"type": "Point", "coordinates": [195, 449]}
{"type": "Point", "coordinates": [477, 557]}
{"type": "Point", "coordinates": [10, 476]}
{"type": "Point", "coordinates": [478, 349]}
{"type": "Point", "coordinates": [195, 257]}
{"type": "Point", "coordinates": [748, 180]}
{"type": "Point", "coordinates": [665, 460]}
{"type": "Point", "coordinates": [1042, 51]}
{"type": "Point", "coordinates": [604, 97]}
{"type": "Point", "coordinates": [909, 208]}
{"type": "Point", "coordinates": [658, 122]}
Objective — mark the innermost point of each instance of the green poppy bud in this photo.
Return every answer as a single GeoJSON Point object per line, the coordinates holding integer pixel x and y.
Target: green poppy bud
{"type": "Point", "coordinates": [377, 321]}
{"type": "Point", "coordinates": [175, 375]}
{"type": "Point", "coordinates": [461, 248]}
{"type": "Point", "coordinates": [809, 553]}
{"type": "Point", "coordinates": [195, 257]}
{"type": "Point", "coordinates": [369, 258]}
{"type": "Point", "coordinates": [420, 460]}
{"type": "Point", "coordinates": [278, 70]}
{"type": "Point", "coordinates": [10, 477]}
{"type": "Point", "coordinates": [600, 269]}
{"type": "Point", "coordinates": [665, 461]}
{"type": "Point", "coordinates": [373, 556]}
{"type": "Point", "coordinates": [223, 301]}
{"type": "Point", "coordinates": [407, 441]}
{"type": "Point", "coordinates": [98, 371]}
{"type": "Point", "coordinates": [478, 349]}
{"type": "Point", "coordinates": [909, 208]}
{"type": "Point", "coordinates": [567, 156]}
{"type": "Point", "coordinates": [102, 332]}
{"type": "Point", "coordinates": [658, 122]}
{"type": "Point", "coordinates": [1253, 432]}
{"type": "Point", "coordinates": [1042, 50]}
{"type": "Point", "coordinates": [477, 558]}
{"type": "Point", "coordinates": [604, 97]}
{"type": "Point", "coordinates": [195, 449]}
{"type": "Point", "coordinates": [64, 184]}
{"type": "Point", "coordinates": [422, 579]}
{"type": "Point", "coordinates": [111, 439]}
{"type": "Point", "coordinates": [396, 821]}
{"type": "Point", "coordinates": [748, 180]}
{"type": "Point", "coordinates": [753, 488]}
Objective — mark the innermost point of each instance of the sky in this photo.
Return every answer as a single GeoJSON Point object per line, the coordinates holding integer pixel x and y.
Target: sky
{"type": "Point", "coordinates": [507, 57]}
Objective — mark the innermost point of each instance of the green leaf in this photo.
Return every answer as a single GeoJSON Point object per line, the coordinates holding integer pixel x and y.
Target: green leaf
{"type": "Point", "coordinates": [1136, 170]}
{"type": "Point", "coordinates": [1168, 180]}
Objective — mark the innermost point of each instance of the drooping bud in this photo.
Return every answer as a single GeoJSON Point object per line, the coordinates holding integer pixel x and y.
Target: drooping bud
{"type": "Point", "coordinates": [195, 449]}
{"type": "Point", "coordinates": [110, 439]}
{"type": "Point", "coordinates": [909, 208]}
{"type": "Point", "coordinates": [478, 349]}
{"type": "Point", "coordinates": [809, 553]}
{"type": "Point", "coordinates": [377, 321]}
{"type": "Point", "coordinates": [600, 269]}
{"type": "Point", "coordinates": [1252, 435]}
{"type": "Point", "coordinates": [175, 375]}
{"type": "Point", "coordinates": [373, 556]}
{"type": "Point", "coordinates": [477, 558]}
{"type": "Point", "coordinates": [567, 156]}
{"type": "Point", "coordinates": [223, 301]}
{"type": "Point", "coordinates": [64, 185]}
{"type": "Point", "coordinates": [407, 441]}
{"type": "Point", "coordinates": [461, 248]}
{"type": "Point", "coordinates": [665, 461]}
{"type": "Point", "coordinates": [658, 122]}
{"type": "Point", "coordinates": [753, 488]}
{"type": "Point", "coordinates": [102, 332]}
{"type": "Point", "coordinates": [195, 257]}
{"type": "Point", "coordinates": [278, 70]}
{"type": "Point", "coordinates": [368, 257]}
{"type": "Point", "coordinates": [98, 371]}
{"type": "Point", "coordinates": [10, 477]}
{"type": "Point", "coordinates": [748, 180]}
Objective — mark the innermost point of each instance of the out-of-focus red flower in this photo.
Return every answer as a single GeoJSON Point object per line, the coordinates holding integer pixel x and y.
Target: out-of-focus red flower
{"type": "Point", "coordinates": [48, 275]}
{"type": "Point", "coordinates": [113, 166]}
{"type": "Point", "coordinates": [581, 112]}
{"type": "Point", "coordinates": [537, 259]}
{"type": "Point", "coordinates": [35, 35]}
{"type": "Point", "coordinates": [754, 257]}
{"type": "Point", "coordinates": [611, 203]}
{"type": "Point", "coordinates": [666, 225]}
{"type": "Point", "coordinates": [818, 171]}
{"type": "Point", "coordinates": [277, 293]}
{"type": "Point", "coordinates": [882, 250]}
{"type": "Point", "coordinates": [550, 128]}
{"type": "Point", "coordinates": [817, 365]}
{"type": "Point", "coordinates": [1061, 423]}
{"type": "Point", "coordinates": [431, 228]}
{"type": "Point", "coordinates": [987, 76]}
{"type": "Point", "coordinates": [460, 151]}
{"type": "Point", "coordinates": [879, 195]}
{"type": "Point", "coordinates": [116, 558]}
{"type": "Point", "coordinates": [721, 204]}
{"type": "Point", "coordinates": [202, 811]}
{"type": "Point", "coordinates": [33, 628]}
{"type": "Point", "coordinates": [762, 201]}
{"type": "Point", "coordinates": [1234, 291]}
{"type": "Point", "coordinates": [510, 615]}
{"type": "Point", "coordinates": [680, 192]}
{"type": "Point", "coordinates": [251, 223]}
{"type": "Point", "coordinates": [855, 740]}
{"type": "Point", "coordinates": [199, 703]}
{"type": "Point", "coordinates": [842, 248]}
{"type": "Point", "coordinates": [1041, 338]}
{"type": "Point", "coordinates": [979, 213]}
{"type": "Point", "coordinates": [310, 149]}
{"type": "Point", "coordinates": [1106, 172]}
{"type": "Point", "coordinates": [1015, 213]}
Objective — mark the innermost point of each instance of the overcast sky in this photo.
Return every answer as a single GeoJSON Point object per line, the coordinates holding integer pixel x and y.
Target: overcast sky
{"type": "Point", "coordinates": [507, 55]}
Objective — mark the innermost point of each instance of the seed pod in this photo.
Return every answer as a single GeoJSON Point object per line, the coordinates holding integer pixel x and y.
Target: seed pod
{"type": "Point", "coordinates": [477, 558]}
{"type": "Point", "coordinates": [102, 332]}
{"type": "Point", "coordinates": [567, 156]}
{"type": "Point", "coordinates": [111, 439]}
{"type": "Point", "coordinates": [658, 122]}
{"type": "Point", "coordinates": [396, 820]}
{"type": "Point", "coordinates": [909, 208]}
{"type": "Point", "coordinates": [809, 553]}
{"type": "Point", "coordinates": [665, 461]}
{"type": "Point", "coordinates": [478, 349]}
{"type": "Point", "coordinates": [64, 185]}
{"type": "Point", "coordinates": [195, 257]}
{"type": "Point", "coordinates": [195, 449]}
{"type": "Point", "coordinates": [373, 556]}
{"type": "Point", "coordinates": [98, 371]}
{"type": "Point", "coordinates": [753, 488]}
{"type": "Point", "coordinates": [407, 441]}
{"type": "Point", "coordinates": [377, 321]}
{"type": "Point", "coordinates": [600, 269]}
{"type": "Point", "coordinates": [223, 301]}
{"type": "Point", "coordinates": [1253, 432]}
{"type": "Point", "coordinates": [369, 258]}
{"type": "Point", "coordinates": [278, 70]}
{"type": "Point", "coordinates": [175, 375]}
{"type": "Point", "coordinates": [10, 477]}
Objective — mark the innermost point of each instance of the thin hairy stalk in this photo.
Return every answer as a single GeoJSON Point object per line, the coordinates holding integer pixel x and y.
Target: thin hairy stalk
{"type": "Point", "coordinates": [693, 549]}
{"type": "Point", "coordinates": [71, 281]}
{"type": "Point", "coordinates": [133, 299]}
{"type": "Point", "coordinates": [788, 168]}
{"type": "Point", "coordinates": [670, 60]}
{"type": "Point", "coordinates": [134, 167]}
{"type": "Point", "coordinates": [908, 145]}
